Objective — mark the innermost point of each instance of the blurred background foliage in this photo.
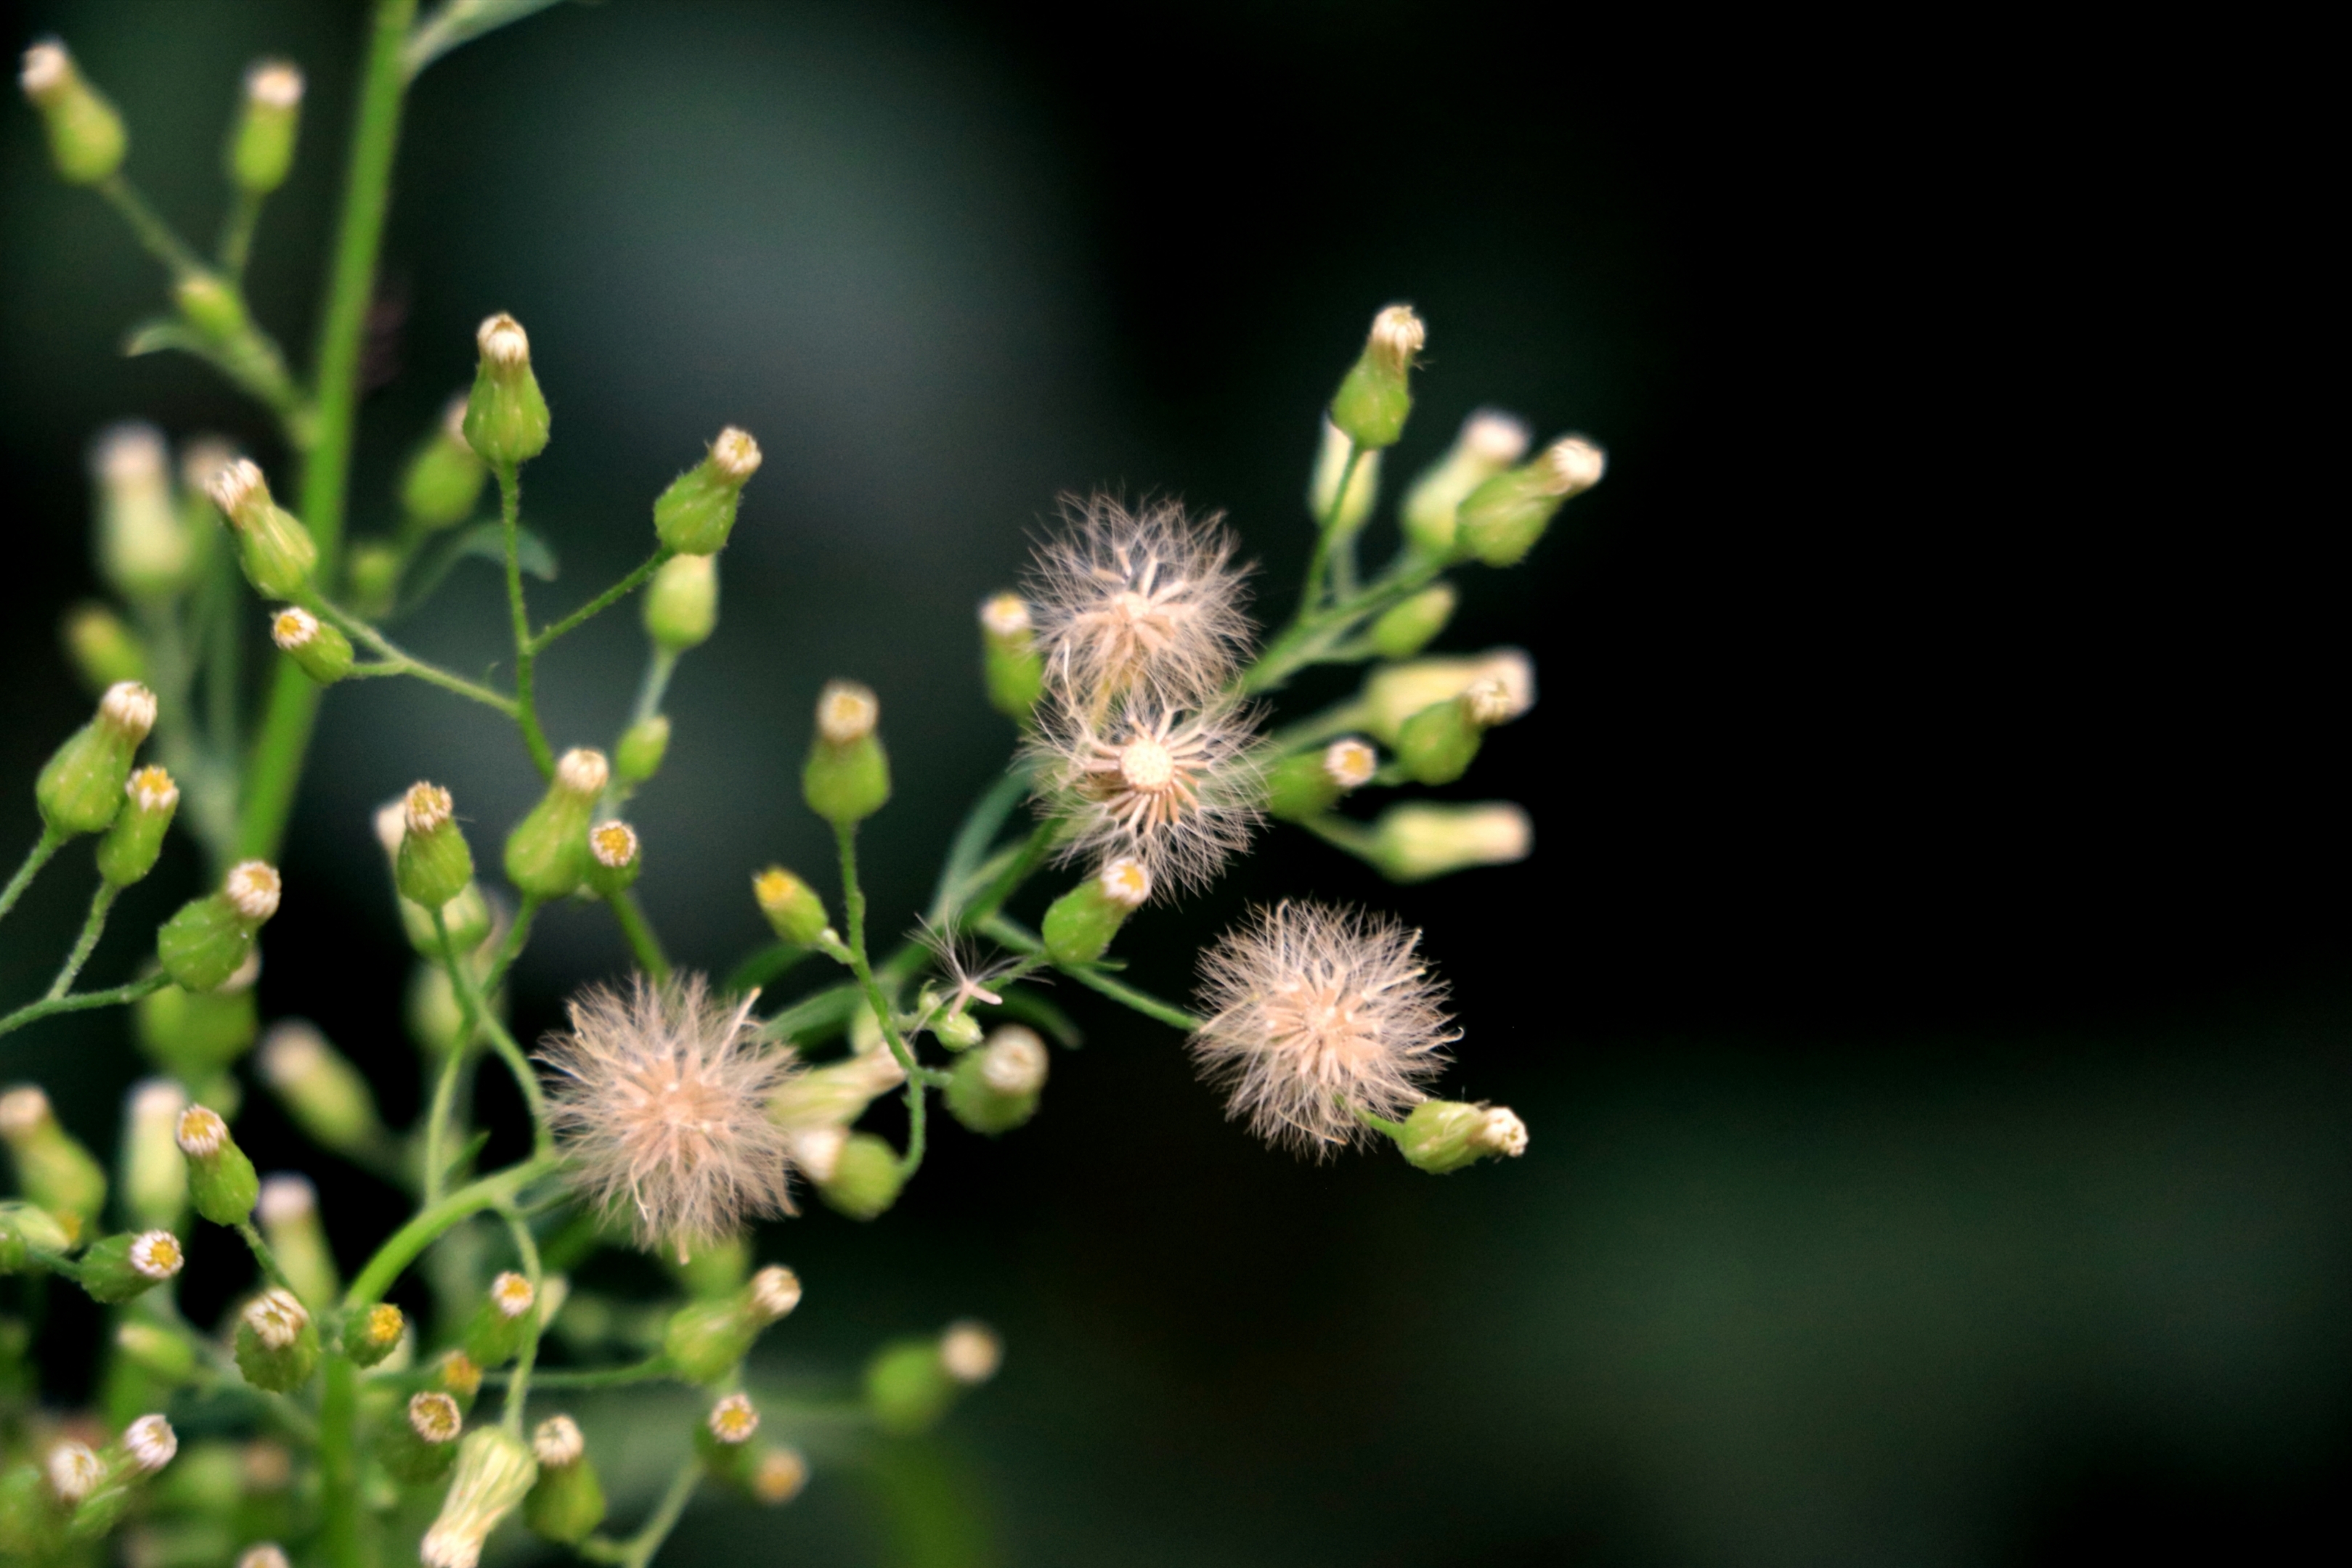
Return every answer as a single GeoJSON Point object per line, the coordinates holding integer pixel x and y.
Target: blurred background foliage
{"type": "Point", "coordinates": [1928, 997]}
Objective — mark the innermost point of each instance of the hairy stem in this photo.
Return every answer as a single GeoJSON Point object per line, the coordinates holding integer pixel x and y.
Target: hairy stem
{"type": "Point", "coordinates": [258, 1246]}
{"type": "Point", "coordinates": [853, 900]}
{"type": "Point", "coordinates": [91, 929]}
{"type": "Point", "coordinates": [44, 847]}
{"type": "Point", "coordinates": [397, 661]}
{"type": "Point", "coordinates": [1150, 1006]}
{"type": "Point", "coordinates": [33, 1012]}
{"type": "Point", "coordinates": [601, 602]}
{"type": "Point", "coordinates": [526, 653]}
{"type": "Point", "coordinates": [640, 934]}
{"type": "Point", "coordinates": [433, 1221]}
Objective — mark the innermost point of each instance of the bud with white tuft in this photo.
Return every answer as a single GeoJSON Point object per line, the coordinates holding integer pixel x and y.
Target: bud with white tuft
{"type": "Point", "coordinates": [434, 863]}
{"type": "Point", "coordinates": [1010, 662]}
{"type": "Point", "coordinates": [682, 602]}
{"type": "Point", "coordinates": [276, 1342]}
{"type": "Point", "coordinates": [724, 1438]}
{"type": "Point", "coordinates": [994, 1089]}
{"type": "Point", "coordinates": [261, 148]}
{"type": "Point", "coordinates": [370, 1335]}
{"type": "Point", "coordinates": [132, 846]}
{"type": "Point", "coordinates": [79, 789]}
{"type": "Point", "coordinates": [1489, 443]}
{"type": "Point", "coordinates": [123, 1268]}
{"type": "Point", "coordinates": [155, 1174]}
{"type": "Point", "coordinates": [847, 777]}
{"type": "Point", "coordinates": [274, 549]}
{"type": "Point", "coordinates": [53, 1169]}
{"type": "Point", "coordinates": [506, 414]}
{"type": "Point", "coordinates": [697, 513]}
{"type": "Point", "coordinates": [148, 1444]}
{"type": "Point", "coordinates": [320, 1089]}
{"type": "Point", "coordinates": [420, 1449]}
{"type": "Point", "coordinates": [794, 910]}
{"type": "Point", "coordinates": [287, 1207]}
{"type": "Point", "coordinates": [1444, 1136]}
{"type": "Point", "coordinates": [145, 548]}
{"type": "Point", "coordinates": [910, 1384]}
{"type": "Point", "coordinates": [503, 1321]}
{"type": "Point", "coordinates": [203, 945]}
{"type": "Point", "coordinates": [547, 852]}
{"type": "Point", "coordinates": [319, 650]}
{"type": "Point", "coordinates": [1375, 397]}
{"type": "Point", "coordinates": [1502, 519]}
{"type": "Point", "coordinates": [1415, 842]}
{"type": "Point", "coordinates": [85, 136]}
{"type": "Point", "coordinates": [1395, 694]}
{"type": "Point", "coordinates": [1303, 786]}
{"type": "Point", "coordinates": [222, 1182]}
{"type": "Point", "coordinates": [1079, 925]}
{"type": "Point", "coordinates": [74, 1471]}
{"type": "Point", "coordinates": [706, 1340]}
{"type": "Point", "coordinates": [567, 1502]}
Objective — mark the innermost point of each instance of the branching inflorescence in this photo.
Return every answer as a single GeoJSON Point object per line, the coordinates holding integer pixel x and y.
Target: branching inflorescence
{"type": "Point", "coordinates": [674, 1112]}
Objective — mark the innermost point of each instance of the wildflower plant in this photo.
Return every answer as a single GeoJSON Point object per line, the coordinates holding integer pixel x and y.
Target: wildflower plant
{"type": "Point", "coordinates": [674, 1112]}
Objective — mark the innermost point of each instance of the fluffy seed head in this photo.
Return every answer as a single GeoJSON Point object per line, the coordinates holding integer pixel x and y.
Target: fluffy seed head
{"type": "Point", "coordinates": [775, 1292]}
{"type": "Point", "coordinates": [971, 1353]}
{"type": "Point", "coordinates": [1316, 1013]}
{"type": "Point", "coordinates": [46, 69]}
{"type": "Point", "coordinates": [733, 1419]}
{"type": "Point", "coordinates": [268, 1555]}
{"type": "Point", "coordinates": [74, 1471]}
{"type": "Point", "coordinates": [1015, 1060]}
{"type": "Point", "coordinates": [1573, 464]}
{"type": "Point", "coordinates": [150, 1443]}
{"type": "Point", "coordinates": [435, 1416]}
{"type": "Point", "coordinates": [1176, 792]}
{"type": "Point", "coordinates": [1494, 438]}
{"type": "Point", "coordinates": [1397, 336]}
{"type": "Point", "coordinates": [503, 341]}
{"type": "Point", "coordinates": [1125, 881]}
{"type": "Point", "coordinates": [201, 1132]}
{"type": "Point", "coordinates": [660, 1100]}
{"type": "Point", "coordinates": [238, 485]}
{"type": "Point", "coordinates": [556, 1442]}
{"type": "Point", "coordinates": [156, 1254]}
{"type": "Point", "coordinates": [276, 1317]}
{"type": "Point", "coordinates": [1350, 763]}
{"type": "Point", "coordinates": [1006, 615]}
{"type": "Point", "coordinates": [582, 770]}
{"type": "Point", "coordinates": [735, 454]}
{"type": "Point", "coordinates": [779, 1476]}
{"type": "Point", "coordinates": [293, 628]}
{"type": "Point", "coordinates": [129, 708]}
{"type": "Point", "coordinates": [252, 887]}
{"type": "Point", "coordinates": [847, 711]}
{"type": "Point", "coordinates": [151, 790]}
{"type": "Point", "coordinates": [274, 84]}
{"type": "Point", "coordinates": [23, 1110]}
{"type": "Point", "coordinates": [512, 1295]}
{"type": "Point", "coordinates": [613, 843]}
{"type": "Point", "coordinates": [1148, 602]}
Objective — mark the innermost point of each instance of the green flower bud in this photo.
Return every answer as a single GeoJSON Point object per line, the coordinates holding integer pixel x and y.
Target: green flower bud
{"type": "Point", "coordinates": [85, 136]}
{"type": "Point", "coordinates": [212, 306]}
{"type": "Point", "coordinates": [287, 1207]}
{"type": "Point", "coordinates": [706, 1340]}
{"type": "Point", "coordinates": [1405, 629]}
{"type": "Point", "coordinates": [1444, 1136]}
{"type": "Point", "coordinates": [793, 908]}
{"type": "Point", "coordinates": [1009, 659]}
{"type": "Point", "coordinates": [958, 1030]}
{"type": "Point", "coordinates": [123, 1268]}
{"type": "Point", "coordinates": [1395, 693]}
{"type": "Point", "coordinates": [995, 1088]}
{"type": "Point", "coordinates": [26, 1230]}
{"type": "Point", "coordinates": [132, 846]}
{"type": "Point", "coordinates": [80, 788]}
{"type": "Point", "coordinates": [910, 1383]}
{"type": "Point", "coordinates": [697, 513]}
{"type": "Point", "coordinates": [1500, 521]}
{"type": "Point", "coordinates": [203, 945]}
{"type": "Point", "coordinates": [1438, 743]}
{"type": "Point", "coordinates": [434, 865]}
{"type": "Point", "coordinates": [1414, 842]}
{"type": "Point", "coordinates": [615, 858]}
{"type": "Point", "coordinates": [154, 1173]}
{"type": "Point", "coordinates": [547, 854]}
{"type": "Point", "coordinates": [1300, 788]}
{"type": "Point", "coordinates": [32, 1525]}
{"type": "Point", "coordinates": [724, 1438]}
{"type": "Point", "coordinates": [443, 483]}
{"type": "Point", "coordinates": [466, 915]}
{"type": "Point", "coordinates": [374, 570]}
{"type": "Point", "coordinates": [712, 1268]}
{"type": "Point", "coordinates": [495, 1472]}
{"type": "Point", "coordinates": [1323, 491]}
{"type": "Point", "coordinates": [102, 649]}
{"type": "Point", "coordinates": [261, 148]}
{"type": "Point", "coordinates": [506, 416]}
{"type": "Point", "coordinates": [320, 1090]}
{"type": "Point", "coordinates": [370, 1335]}
{"type": "Point", "coordinates": [1373, 399]}
{"type": "Point", "coordinates": [276, 1342]}
{"type": "Point", "coordinates": [52, 1169]}
{"type": "Point", "coordinates": [846, 777]}
{"type": "Point", "coordinates": [865, 1179]}
{"type": "Point", "coordinates": [322, 653]}
{"type": "Point", "coordinates": [145, 548]}
{"type": "Point", "coordinates": [1079, 925]}
{"type": "Point", "coordinates": [195, 1035]}
{"type": "Point", "coordinates": [273, 547]}
{"type": "Point", "coordinates": [222, 1183]}
{"type": "Point", "coordinates": [682, 603]}
{"type": "Point", "coordinates": [567, 1502]}
{"type": "Point", "coordinates": [1489, 443]}
{"type": "Point", "coordinates": [642, 746]}
{"type": "Point", "coordinates": [495, 1333]}
{"type": "Point", "coordinates": [160, 1352]}
{"type": "Point", "coordinates": [420, 1448]}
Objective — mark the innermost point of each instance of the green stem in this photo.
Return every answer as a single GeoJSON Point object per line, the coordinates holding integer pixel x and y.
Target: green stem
{"type": "Point", "coordinates": [475, 1009]}
{"type": "Point", "coordinates": [99, 903]}
{"type": "Point", "coordinates": [163, 242]}
{"type": "Point", "coordinates": [431, 1222]}
{"type": "Point", "coordinates": [852, 899]}
{"type": "Point", "coordinates": [598, 1377]}
{"type": "Point", "coordinates": [259, 1246]}
{"type": "Point", "coordinates": [277, 763]}
{"type": "Point", "coordinates": [642, 940]}
{"type": "Point", "coordinates": [601, 602]}
{"type": "Point", "coordinates": [397, 661]}
{"type": "Point", "coordinates": [519, 1385]}
{"type": "Point", "coordinates": [444, 1089]}
{"type": "Point", "coordinates": [639, 1549]}
{"type": "Point", "coordinates": [1351, 836]}
{"type": "Point", "coordinates": [1150, 1006]}
{"type": "Point", "coordinates": [33, 1012]}
{"type": "Point", "coordinates": [339, 1461]}
{"type": "Point", "coordinates": [526, 652]}
{"type": "Point", "coordinates": [46, 845]}
{"type": "Point", "coordinates": [1310, 638]}
{"type": "Point", "coordinates": [236, 233]}
{"type": "Point", "coordinates": [1311, 593]}
{"type": "Point", "coordinates": [512, 948]}
{"type": "Point", "coordinates": [979, 830]}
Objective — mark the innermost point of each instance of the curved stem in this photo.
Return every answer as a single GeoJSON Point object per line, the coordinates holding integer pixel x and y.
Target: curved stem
{"type": "Point", "coordinates": [603, 602]}
{"type": "Point", "coordinates": [512, 948]}
{"type": "Point", "coordinates": [650, 1371]}
{"type": "Point", "coordinates": [398, 661]}
{"type": "Point", "coordinates": [33, 1012]}
{"type": "Point", "coordinates": [44, 847]}
{"type": "Point", "coordinates": [852, 899]}
{"type": "Point", "coordinates": [526, 652]}
{"type": "Point", "coordinates": [392, 1259]}
{"type": "Point", "coordinates": [236, 233]}
{"type": "Point", "coordinates": [1312, 592]}
{"type": "Point", "coordinates": [519, 1385]}
{"type": "Point", "coordinates": [470, 1000]}
{"type": "Point", "coordinates": [91, 928]}
{"type": "Point", "coordinates": [642, 940]}
{"type": "Point", "coordinates": [639, 1549]}
{"type": "Point", "coordinates": [1144, 1002]}
{"type": "Point", "coordinates": [262, 1254]}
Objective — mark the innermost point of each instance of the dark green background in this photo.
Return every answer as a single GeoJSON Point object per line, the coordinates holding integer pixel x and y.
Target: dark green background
{"type": "Point", "coordinates": [1928, 995]}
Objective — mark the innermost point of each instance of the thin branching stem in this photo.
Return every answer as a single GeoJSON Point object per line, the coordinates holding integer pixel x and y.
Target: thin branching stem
{"type": "Point", "coordinates": [1119, 991]}
{"type": "Point", "coordinates": [519, 1385]}
{"type": "Point", "coordinates": [639, 1549]}
{"type": "Point", "coordinates": [92, 928]}
{"type": "Point", "coordinates": [264, 1255]}
{"type": "Point", "coordinates": [160, 239]}
{"type": "Point", "coordinates": [398, 661]}
{"type": "Point", "coordinates": [652, 1371]}
{"type": "Point", "coordinates": [526, 652]}
{"type": "Point", "coordinates": [852, 899]}
{"type": "Point", "coordinates": [44, 847]}
{"type": "Point", "coordinates": [601, 602]}
{"type": "Point", "coordinates": [640, 934]}
{"type": "Point", "coordinates": [80, 1002]}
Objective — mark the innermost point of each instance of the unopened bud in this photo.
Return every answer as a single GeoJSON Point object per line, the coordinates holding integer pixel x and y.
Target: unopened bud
{"type": "Point", "coordinates": [793, 908]}
{"type": "Point", "coordinates": [506, 414]}
{"type": "Point", "coordinates": [1405, 629]}
{"type": "Point", "coordinates": [503, 1321]}
{"type": "Point", "coordinates": [102, 648]}
{"type": "Point", "coordinates": [144, 546]}
{"type": "Point", "coordinates": [1500, 521]}
{"type": "Point", "coordinates": [697, 513]}
{"type": "Point", "coordinates": [1010, 661]}
{"type": "Point", "coordinates": [443, 482]}
{"type": "Point", "coordinates": [1323, 491]}
{"type": "Point", "coordinates": [567, 1502]}
{"type": "Point", "coordinates": [164, 1355]}
{"type": "Point", "coordinates": [261, 147]}
{"type": "Point", "coordinates": [1414, 842]}
{"type": "Point", "coordinates": [547, 854]}
{"type": "Point", "coordinates": [222, 1183]}
{"type": "Point", "coordinates": [276, 1342]}
{"type": "Point", "coordinates": [847, 776]}
{"type": "Point", "coordinates": [322, 651]}
{"type": "Point", "coordinates": [994, 1089]}
{"type": "Point", "coordinates": [420, 1449]}
{"type": "Point", "coordinates": [1079, 925]}
{"type": "Point", "coordinates": [910, 1384]}
{"type": "Point", "coordinates": [865, 1177]}
{"type": "Point", "coordinates": [1444, 1136]}
{"type": "Point", "coordinates": [682, 602]}
{"type": "Point", "coordinates": [370, 1336]}
{"type": "Point", "coordinates": [208, 941]}
{"type": "Point", "coordinates": [1300, 788]}
{"type": "Point", "coordinates": [434, 863]}
{"type": "Point", "coordinates": [287, 1207]}
{"type": "Point", "coordinates": [704, 1341]}
{"type": "Point", "coordinates": [154, 1173]}
{"type": "Point", "coordinates": [1489, 443]}
{"type": "Point", "coordinates": [1395, 694]}
{"type": "Point", "coordinates": [273, 548]}
{"type": "Point", "coordinates": [79, 789]}
{"type": "Point", "coordinates": [1376, 395]}
{"type": "Point", "coordinates": [320, 1087]}
{"type": "Point", "coordinates": [778, 1476]}
{"type": "Point", "coordinates": [495, 1471]}
{"type": "Point", "coordinates": [642, 746]}
{"type": "Point", "coordinates": [122, 1268]}
{"type": "Point", "coordinates": [85, 136]}
{"type": "Point", "coordinates": [53, 1169]}
{"type": "Point", "coordinates": [132, 846]}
